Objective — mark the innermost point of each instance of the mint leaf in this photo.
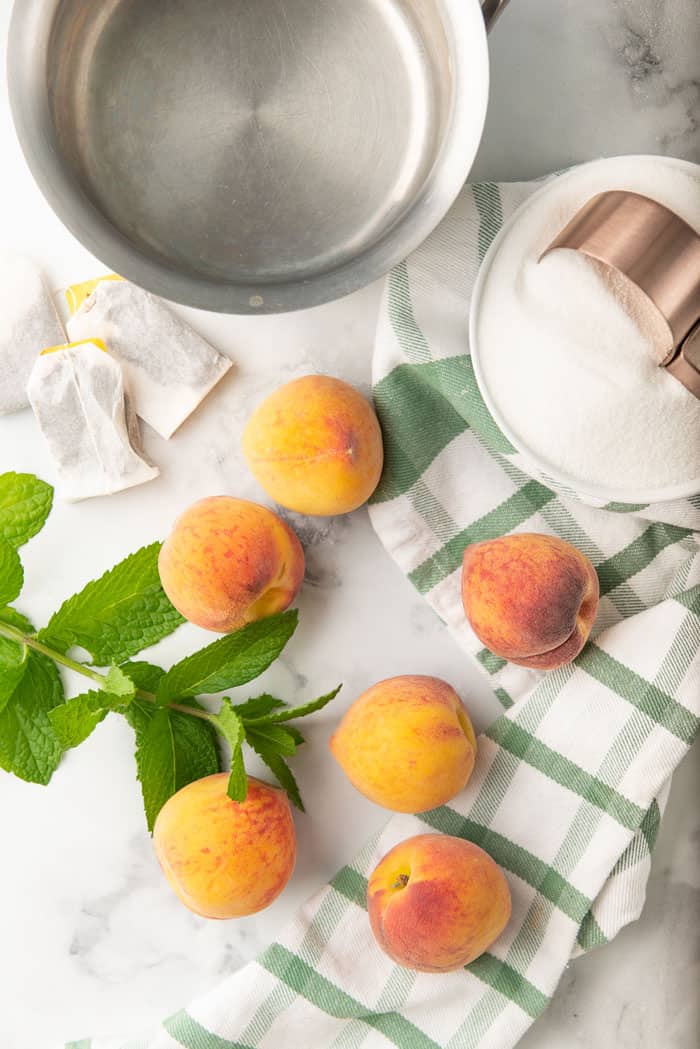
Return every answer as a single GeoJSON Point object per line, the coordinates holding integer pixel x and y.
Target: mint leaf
{"type": "Point", "coordinates": [11, 573]}
{"type": "Point", "coordinates": [13, 656]}
{"type": "Point", "coordinates": [237, 788]}
{"type": "Point", "coordinates": [145, 676]}
{"type": "Point", "coordinates": [229, 725]}
{"type": "Point", "coordinates": [25, 503]}
{"type": "Point", "coordinates": [272, 737]}
{"type": "Point", "coordinates": [156, 763]}
{"type": "Point", "coordinates": [118, 684]}
{"type": "Point", "coordinates": [28, 744]}
{"type": "Point", "coordinates": [74, 720]}
{"type": "Point", "coordinates": [290, 713]}
{"type": "Point", "coordinates": [257, 707]}
{"type": "Point", "coordinates": [276, 764]}
{"type": "Point", "coordinates": [295, 734]}
{"type": "Point", "coordinates": [233, 660]}
{"type": "Point", "coordinates": [172, 750]}
{"type": "Point", "coordinates": [118, 615]}
{"type": "Point", "coordinates": [16, 619]}
{"type": "Point", "coordinates": [231, 728]}
{"type": "Point", "coordinates": [10, 677]}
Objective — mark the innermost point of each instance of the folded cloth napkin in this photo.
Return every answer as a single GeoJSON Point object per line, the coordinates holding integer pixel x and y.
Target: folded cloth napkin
{"type": "Point", "coordinates": [570, 778]}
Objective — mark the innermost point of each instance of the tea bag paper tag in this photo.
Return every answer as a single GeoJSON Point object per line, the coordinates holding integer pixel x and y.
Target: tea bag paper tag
{"type": "Point", "coordinates": [169, 369]}
{"type": "Point", "coordinates": [28, 322]}
{"type": "Point", "coordinates": [77, 393]}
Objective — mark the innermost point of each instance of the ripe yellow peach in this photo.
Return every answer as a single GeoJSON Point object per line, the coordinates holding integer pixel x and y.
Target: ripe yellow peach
{"type": "Point", "coordinates": [223, 858]}
{"type": "Point", "coordinates": [228, 562]}
{"type": "Point", "coordinates": [436, 903]}
{"type": "Point", "coordinates": [407, 743]}
{"type": "Point", "coordinates": [315, 446]}
{"type": "Point", "coordinates": [530, 598]}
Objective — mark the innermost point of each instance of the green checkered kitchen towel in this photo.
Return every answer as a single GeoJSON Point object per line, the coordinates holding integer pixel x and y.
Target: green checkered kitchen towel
{"type": "Point", "coordinates": [570, 778]}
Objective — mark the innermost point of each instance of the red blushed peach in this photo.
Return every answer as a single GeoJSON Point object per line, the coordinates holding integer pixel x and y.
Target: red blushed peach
{"type": "Point", "coordinates": [223, 858]}
{"type": "Point", "coordinates": [531, 599]}
{"type": "Point", "coordinates": [315, 446]}
{"type": "Point", "coordinates": [228, 562]}
{"type": "Point", "coordinates": [436, 903]}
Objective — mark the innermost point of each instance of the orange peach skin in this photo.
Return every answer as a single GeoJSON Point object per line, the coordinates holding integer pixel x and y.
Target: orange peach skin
{"type": "Point", "coordinates": [530, 598]}
{"type": "Point", "coordinates": [407, 743]}
{"type": "Point", "coordinates": [436, 903]}
{"type": "Point", "coordinates": [226, 859]}
{"type": "Point", "coordinates": [228, 562]}
{"type": "Point", "coordinates": [315, 446]}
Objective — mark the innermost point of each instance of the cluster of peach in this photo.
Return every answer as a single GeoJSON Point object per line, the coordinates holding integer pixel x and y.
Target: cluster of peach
{"type": "Point", "coordinates": [435, 902]}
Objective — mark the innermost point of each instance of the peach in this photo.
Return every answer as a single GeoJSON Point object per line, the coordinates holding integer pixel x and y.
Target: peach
{"type": "Point", "coordinates": [228, 562]}
{"type": "Point", "coordinates": [436, 903]}
{"type": "Point", "coordinates": [223, 858]}
{"type": "Point", "coordinates": [407, 743]}
{"type": "Point", "coordinates": [315, 446]}
{"type": "Point", "coordinates": [530, 598]}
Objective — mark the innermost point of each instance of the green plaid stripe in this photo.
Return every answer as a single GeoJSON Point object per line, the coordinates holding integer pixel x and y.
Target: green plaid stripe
{"type": "Point", "coordinates": [691, 599]}
{"type": "Point", "coordinates": [192, 1035]}
{"type": "Point", "coordinates": [647, 697]}
{"type": "Point", "coordinates": [323, 994]}
{"type": "Point", "coordinates": [409, 335]}
{"type": "Point", "coordinates": [490, 662]}
{"type": "Point", "coordinates": [528, 748]}
{"type": "Point", "coordinates": [510, 983]}
{"type": "Point", "coordinates": [650, 825]}
{"type": "Point", "coordinates": [487, 198]}
{"type": "Point", "coordinates": [410, 446]}
{"type": "Point", "coordinates": [590, 934]}
{"type": "Point", "coordinates": [638, 555]}
{"type": "Point", "coordinates": [503, 698]}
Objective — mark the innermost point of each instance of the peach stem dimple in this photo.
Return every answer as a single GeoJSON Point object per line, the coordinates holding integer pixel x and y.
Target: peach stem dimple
{"type": "Point", "coordinates": [401, 882]}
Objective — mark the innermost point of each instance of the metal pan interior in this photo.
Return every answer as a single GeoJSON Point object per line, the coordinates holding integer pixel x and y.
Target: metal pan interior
{"type": "Point", "coordinates": [250, 142]}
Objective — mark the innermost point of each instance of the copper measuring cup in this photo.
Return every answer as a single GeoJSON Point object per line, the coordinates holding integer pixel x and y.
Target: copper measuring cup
{"type": "Point", "coordinates": [657, 251]}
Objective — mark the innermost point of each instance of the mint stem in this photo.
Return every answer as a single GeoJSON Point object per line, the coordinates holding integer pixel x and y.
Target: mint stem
{"type": "Point", "coordinates": [31, 642]}
{"type": "Point", "coordinates": [13, 634]}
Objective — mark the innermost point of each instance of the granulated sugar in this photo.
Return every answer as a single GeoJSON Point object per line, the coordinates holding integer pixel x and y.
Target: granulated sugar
{"type": "Point", "coordinates": [570, 357]}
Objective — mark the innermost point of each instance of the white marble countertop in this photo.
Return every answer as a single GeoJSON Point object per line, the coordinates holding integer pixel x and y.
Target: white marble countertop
{"type": "Point", "coordinates": [93, 941]}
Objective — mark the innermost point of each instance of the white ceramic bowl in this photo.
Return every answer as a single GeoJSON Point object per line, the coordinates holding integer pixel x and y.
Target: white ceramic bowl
{"type": "Point", "coordinates": [534, 464]}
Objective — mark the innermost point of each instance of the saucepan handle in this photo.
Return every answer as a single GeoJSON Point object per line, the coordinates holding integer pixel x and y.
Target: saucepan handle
{"type": "Point", "coordinates": [491, 10]}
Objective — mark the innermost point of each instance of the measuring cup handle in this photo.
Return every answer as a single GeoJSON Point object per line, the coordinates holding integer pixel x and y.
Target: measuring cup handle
{"type": "Point", "coordinates": [491, 9]}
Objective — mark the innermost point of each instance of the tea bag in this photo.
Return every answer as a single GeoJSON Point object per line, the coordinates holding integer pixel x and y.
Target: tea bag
{"type": "Point", "coordinates": [168, 368]}
{"type": "Point", "coordinates": [28, 322]}
{"type": "Point", "coordinates": [78, 396]}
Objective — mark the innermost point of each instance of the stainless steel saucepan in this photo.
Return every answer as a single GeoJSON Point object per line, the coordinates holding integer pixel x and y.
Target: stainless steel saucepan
{"type": "Point", "coordinates": [250, 156]}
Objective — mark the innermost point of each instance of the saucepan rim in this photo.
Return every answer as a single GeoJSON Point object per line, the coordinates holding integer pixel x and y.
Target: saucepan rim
{"type": "Point", "coordinates": [30, 30]}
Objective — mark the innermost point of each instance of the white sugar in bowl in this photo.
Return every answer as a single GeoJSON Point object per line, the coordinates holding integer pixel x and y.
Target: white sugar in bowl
{"type": "Point", "coordinates": [566, 363]}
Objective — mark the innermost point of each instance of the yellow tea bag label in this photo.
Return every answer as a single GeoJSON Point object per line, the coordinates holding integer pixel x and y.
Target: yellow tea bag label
{"type": "Point", "coordinates": [71, 345]}
{"type": "Point", "coordinates": [78, 293]}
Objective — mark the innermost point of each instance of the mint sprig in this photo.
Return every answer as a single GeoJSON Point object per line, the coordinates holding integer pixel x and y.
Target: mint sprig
{"type": "Point", "coordinates": [178, 738]}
